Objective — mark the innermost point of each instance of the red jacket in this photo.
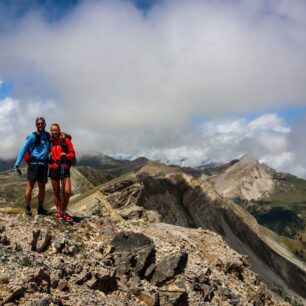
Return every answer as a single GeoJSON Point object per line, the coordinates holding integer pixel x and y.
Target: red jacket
{"type": "Point", "coordinates": [63, 144]}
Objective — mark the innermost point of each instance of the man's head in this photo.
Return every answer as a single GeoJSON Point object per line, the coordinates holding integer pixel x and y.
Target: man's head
{"type": "Point", "coordinates": [40, 124]}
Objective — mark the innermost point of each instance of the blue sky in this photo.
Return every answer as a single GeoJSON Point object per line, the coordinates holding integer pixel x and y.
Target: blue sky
{"type": "Point", "coordinates": [128, 77]}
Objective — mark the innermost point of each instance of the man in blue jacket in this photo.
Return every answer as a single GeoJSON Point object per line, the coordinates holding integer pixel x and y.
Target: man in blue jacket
{"type": "Point", "coordinates": [36, 149]}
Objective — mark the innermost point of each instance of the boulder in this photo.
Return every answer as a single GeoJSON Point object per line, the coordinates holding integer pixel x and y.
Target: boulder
{"type": "Point", "coordinates": [169, 267]}
{"type": "Point", "coordinates": [130, 242]}
{"type": "Point", "coordinates": [40, 241]}
{"type": "Point", "coordinates": [131, 253]}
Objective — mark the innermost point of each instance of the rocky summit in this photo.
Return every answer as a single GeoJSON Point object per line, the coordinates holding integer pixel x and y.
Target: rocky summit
{"type": "Point", "coordinates": [110, 261]}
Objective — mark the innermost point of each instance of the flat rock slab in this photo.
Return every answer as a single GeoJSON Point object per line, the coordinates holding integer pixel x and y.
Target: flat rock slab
{"type": "Point", "coordinates": [130, 242]}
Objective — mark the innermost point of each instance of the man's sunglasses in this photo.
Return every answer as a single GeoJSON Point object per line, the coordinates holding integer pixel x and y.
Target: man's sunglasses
{"type": "Point", "coordinates": [40, 123]}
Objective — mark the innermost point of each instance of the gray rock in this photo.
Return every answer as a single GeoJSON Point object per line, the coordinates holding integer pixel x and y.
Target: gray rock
{"type": "Point", "coordinates": [152, 216]}
{"type": "Point", "coordinates": [104, 281]}
{"type": "Point", "coordinates": [15, 295]}
{"type": "Point", "coordinates": [4, 279]}
{"type": "Point", "coordinates": [42, 279]}
{"type": "Point", "coordinates": [169, 267]}
{"type": "Point", "coordinates": [225, 294]}
{"type": "Point", "coordinates": [149, 270]}
{"type": "Point", "coordinates": [132, 253]}
{"type": "Point", "coordinates": [235, 267]}
{"type": "Point", "coordinates": [60, 244]}
{"type": "Point", "coordinates": [4, 240]}
{"type": "Point", "coordinates": [78, 269]}
{"type": "Point", "coordinates": [40, 241]}
{"type": "Point", "coordinates": [67, 246]}
{"type": "Point", "coordinates": [149, 297]}
{"type": "Point", "coordinates": [84, 277]}
{"type": "Point", "coordinates": [63, 285]}
{"type": "Point", "coordinates": [32, 287]}
{"type": "Point", "coordinates": [177, 284]}
{"type": "Point", "coordinates": [173, 299]}
{"type": "Point", "coordinates": [43, 301]}
{"type": "Point", "coordinates": [132, 212]}
{"type": "Point", "coordinates": [129, 241]}
{"type": "Point", "coordinates": [24, 260]}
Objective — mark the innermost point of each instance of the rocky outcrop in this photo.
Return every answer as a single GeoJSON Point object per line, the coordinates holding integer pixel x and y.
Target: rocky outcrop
{"type": "Point", "coordinates": [182, 200]}
{"type": "Point", "coordinates": [120, 263]}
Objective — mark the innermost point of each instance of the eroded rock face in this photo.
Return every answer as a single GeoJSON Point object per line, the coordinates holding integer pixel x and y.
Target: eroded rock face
{"type": "Point", "coordinates": [125, 193]}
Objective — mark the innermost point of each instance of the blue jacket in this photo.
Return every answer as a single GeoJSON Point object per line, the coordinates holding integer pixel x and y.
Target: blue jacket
{"type": "Point", "coordinates": [40, 152]}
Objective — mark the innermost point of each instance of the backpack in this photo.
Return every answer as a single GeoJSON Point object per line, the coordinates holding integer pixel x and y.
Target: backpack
{"type": "Point", "coordinates": [27, 157]}
{"type": "Point", "coordinates": [63, 144]}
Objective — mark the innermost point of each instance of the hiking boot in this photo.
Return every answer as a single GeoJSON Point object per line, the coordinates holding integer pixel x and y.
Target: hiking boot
{"type": "Point", "coordinates": [28, 212]}
{"type": "Point", "coordinates": [68, 218]}
{"type": "Point", "coordinates": [58, 216]}
{"type": "Point", "coordinates": [41, 211]}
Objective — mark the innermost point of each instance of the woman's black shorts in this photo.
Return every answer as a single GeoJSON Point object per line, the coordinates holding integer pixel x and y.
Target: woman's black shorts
{"type": "Point", "coordinates": [55, 174]}
{"type": "Point", "coordinates": [37, 173]}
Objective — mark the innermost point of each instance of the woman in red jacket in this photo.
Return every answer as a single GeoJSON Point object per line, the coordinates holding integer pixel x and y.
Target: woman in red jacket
{"type": "Point", "coordinates": [62, 153]}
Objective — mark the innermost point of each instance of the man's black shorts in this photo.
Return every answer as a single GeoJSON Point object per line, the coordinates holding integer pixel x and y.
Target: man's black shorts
{"type": "Point", "coordinates": [55, 174]}
{"type": "Point", "coordinates": [38, 173]}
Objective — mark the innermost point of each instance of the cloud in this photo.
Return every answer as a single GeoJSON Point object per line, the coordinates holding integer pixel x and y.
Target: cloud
{"type": "Point", "coordinates": [125, 82]}
{"type": "Point", "coordinates": [267, 138]}
{"type": "Point", "coordinates": [185, 57]}
{"type": "Point", "coordinates": [17, 122]}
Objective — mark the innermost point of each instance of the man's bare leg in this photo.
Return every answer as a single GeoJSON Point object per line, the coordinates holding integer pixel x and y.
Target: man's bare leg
{"type": "Point", "coordinates": [28, 194]}
{"type": "Point", "coordinates": [41, 194]}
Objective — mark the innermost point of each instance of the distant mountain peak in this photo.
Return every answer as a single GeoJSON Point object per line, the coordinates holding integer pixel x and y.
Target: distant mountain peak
{"type": "Point", "coordinates": [248, 159]}
{"type": "Point", "coordinates": [246, 179]}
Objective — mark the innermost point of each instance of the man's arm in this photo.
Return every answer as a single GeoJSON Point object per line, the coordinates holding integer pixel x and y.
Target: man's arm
{"type": "Point", "coordinates": [26, 148]}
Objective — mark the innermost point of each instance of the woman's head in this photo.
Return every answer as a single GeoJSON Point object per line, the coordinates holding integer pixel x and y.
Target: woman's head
{"type": "Point", "coordinates": [55, 130]}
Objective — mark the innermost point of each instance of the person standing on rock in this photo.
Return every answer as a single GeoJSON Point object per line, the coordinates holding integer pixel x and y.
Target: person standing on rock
{"type": "Point", "coordinates": [61, 159]}
{"type": "Point", "coordinates": [36, 153]}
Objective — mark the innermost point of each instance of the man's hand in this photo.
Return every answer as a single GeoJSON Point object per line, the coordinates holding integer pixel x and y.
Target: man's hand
{"type": "Point", "coordinates": [16, 169]}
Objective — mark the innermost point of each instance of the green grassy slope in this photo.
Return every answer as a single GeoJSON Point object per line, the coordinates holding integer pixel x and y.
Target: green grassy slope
{"type": "Point", "coordinates": [284, 211]}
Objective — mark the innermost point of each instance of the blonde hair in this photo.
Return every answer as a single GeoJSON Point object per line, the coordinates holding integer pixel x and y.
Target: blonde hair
{"type": "Point", "coordinates": [55, 124]}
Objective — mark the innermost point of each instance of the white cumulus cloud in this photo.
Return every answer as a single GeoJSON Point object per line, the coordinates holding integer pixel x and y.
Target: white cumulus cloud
{"type": "Point", "coordinates": [125, 82]}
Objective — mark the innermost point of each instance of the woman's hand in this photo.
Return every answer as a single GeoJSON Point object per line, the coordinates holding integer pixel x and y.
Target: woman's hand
{"type": "Point", "coordinates": [63, 155]}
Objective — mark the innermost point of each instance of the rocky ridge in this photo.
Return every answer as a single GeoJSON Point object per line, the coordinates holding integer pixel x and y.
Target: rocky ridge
{"type": "Point", "coordinates": [110, 261]}
{"type": "Point", "coordinates": [158, 192]}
